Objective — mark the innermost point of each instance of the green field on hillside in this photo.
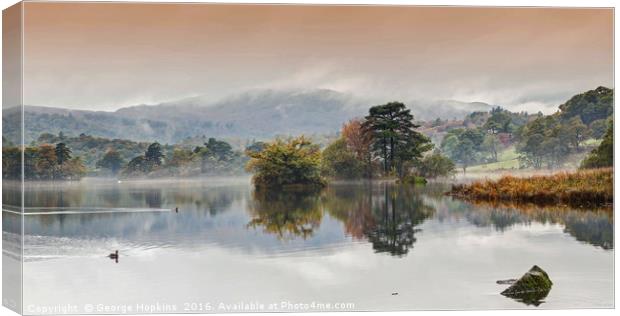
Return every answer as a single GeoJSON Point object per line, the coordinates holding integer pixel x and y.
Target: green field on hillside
{"type": "Point", "coordinates": [508, 159]}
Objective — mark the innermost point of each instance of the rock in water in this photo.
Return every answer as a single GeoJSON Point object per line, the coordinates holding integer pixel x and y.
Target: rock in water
{"type": "Point", "coordinates": [531, 288]}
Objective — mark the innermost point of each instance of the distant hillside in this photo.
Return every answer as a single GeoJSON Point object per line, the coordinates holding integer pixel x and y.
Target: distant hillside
{"type": "Point", "coordinates": [91, 149]}
{"type": "Point", "coordinates": [39, 120]}
{"type": "Point", "coordinates": [446, 109]}
{"type": "Point", "coordinates": [500, 139]}
{"type": "Point", "coordinates": [590, 106]}
{"type": "Point", "coordinates": [259, 114]}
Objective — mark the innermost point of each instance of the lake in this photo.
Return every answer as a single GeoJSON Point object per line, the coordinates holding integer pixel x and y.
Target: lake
{"type": "Point", "coordinates": [353, 246]}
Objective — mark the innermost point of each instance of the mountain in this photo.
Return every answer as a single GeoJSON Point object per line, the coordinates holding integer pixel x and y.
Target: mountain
{"type": "Point", "coordinates": [428, 110]}
{"type": "Point", "coordinates": [38, 120]}
{"type": "Point", "coordinates": [260, 114]}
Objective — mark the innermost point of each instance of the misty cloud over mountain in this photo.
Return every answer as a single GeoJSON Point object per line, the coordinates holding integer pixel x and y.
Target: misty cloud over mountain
{"type": "Point", "coordinates": [253, 114]}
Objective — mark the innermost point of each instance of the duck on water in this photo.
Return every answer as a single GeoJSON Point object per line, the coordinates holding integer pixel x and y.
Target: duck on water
{"type": "Point", "coordinates": [114, 256]}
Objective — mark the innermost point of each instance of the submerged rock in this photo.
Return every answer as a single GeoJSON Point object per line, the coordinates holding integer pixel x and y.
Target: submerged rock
{"type": "Point", "coordinates": [509, 281]}
{"type": "Point", "coordinates": [531, 288]}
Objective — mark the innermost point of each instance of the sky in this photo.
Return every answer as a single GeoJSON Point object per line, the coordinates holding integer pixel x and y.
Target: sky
{"type": "Point", "coordinates": [104, 56]}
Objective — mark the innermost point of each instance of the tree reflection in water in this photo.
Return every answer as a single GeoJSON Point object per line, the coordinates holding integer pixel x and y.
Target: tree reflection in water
{"type": "Point", "coordinates": [385, 214]}
{"type": "Point", "coordinates": [287, 214]}
{"type": "Point", "coordinates": [352, 205]}
{"type": "Point", "coordinates": [592, 226]}
{"type": "Point", "coordinates": [397, 217]}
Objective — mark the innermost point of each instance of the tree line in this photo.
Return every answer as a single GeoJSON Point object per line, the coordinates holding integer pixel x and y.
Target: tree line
{"type": "Point", "coordinates": [215, 157]}
{"type": "Point", "coordinates": [44, 162]}
{"type": "Point", "coordinates": [548, 140]}
{"type": "Point", "coordinates": [56, 161]}
{"type": "Point", "coordinates": [385, 143]}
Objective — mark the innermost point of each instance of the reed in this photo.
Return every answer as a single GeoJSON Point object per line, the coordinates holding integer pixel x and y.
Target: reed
{"type": "Point", "coordinates": [578, 189]}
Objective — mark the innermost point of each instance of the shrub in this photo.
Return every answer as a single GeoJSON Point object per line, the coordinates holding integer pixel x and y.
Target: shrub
{"type": "Point", "coordinates": [286, 163]}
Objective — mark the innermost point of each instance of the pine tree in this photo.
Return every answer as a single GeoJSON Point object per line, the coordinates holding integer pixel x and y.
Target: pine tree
{"type": "Point", "coordinates": [63, 153]}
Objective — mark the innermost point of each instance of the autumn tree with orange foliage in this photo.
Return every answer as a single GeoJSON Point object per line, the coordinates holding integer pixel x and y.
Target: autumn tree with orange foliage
{"type": "Point", "coordinates": [360, 143]}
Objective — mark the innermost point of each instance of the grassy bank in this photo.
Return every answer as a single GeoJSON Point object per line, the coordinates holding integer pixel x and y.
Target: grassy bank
{"type": "Point", "coordinates": [581, 188]}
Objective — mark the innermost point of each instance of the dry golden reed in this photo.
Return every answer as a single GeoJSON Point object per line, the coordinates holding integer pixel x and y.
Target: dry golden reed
{"type": "Point", "coordinates": [581, 188]}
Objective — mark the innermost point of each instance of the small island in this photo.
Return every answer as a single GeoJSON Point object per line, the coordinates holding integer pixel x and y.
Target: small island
{"type": "Point", "coordinates": [385, 144]}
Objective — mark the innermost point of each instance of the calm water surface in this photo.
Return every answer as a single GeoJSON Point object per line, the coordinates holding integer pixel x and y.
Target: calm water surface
{"type": "Point", "coordinates": [373, 246]}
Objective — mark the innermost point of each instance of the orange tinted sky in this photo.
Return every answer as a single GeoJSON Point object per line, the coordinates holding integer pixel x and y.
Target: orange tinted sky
{"type": "Point", "coordinates": [108, 55]}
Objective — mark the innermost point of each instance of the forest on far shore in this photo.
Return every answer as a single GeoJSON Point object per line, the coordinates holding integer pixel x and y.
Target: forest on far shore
{"type": "Point", "coordinates": [387, 142]}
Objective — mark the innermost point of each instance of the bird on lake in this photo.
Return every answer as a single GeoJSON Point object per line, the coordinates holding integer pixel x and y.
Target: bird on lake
{"type": "Point", "coordinates": [176, 209]}
{"type": "Point", "coordinates": [114, 256]}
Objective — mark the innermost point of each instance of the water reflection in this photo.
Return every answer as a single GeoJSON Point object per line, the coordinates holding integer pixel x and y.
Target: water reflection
{"type": "Point", "coordinates": [286, 214]}
{"type": "Point", "coordinates": [531, 298]}
{"type": "Point", "coordinates": [151, 197]}
{"type": "Point", "coordinates": [353, 206]}
{"type": "Point", "coordinates": [594, 226]}
{"type": "Point", "coordinates": [301, 240]}
{"type": "Point", "coordinates": [386, 215]}
{"type": "Point", "coordinates": [400, 212]}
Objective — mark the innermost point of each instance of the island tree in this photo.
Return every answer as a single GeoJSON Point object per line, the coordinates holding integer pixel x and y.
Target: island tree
{"type": "Point", "coordinates": [360, 143]}
{"type": "Point", "coordinates": [435, 165]}
{"type": "Point", "coordinates": [394, 138]}
{"type": "Point", "coordinates": [350, 156]}
{"type": "Point", "coordinates": [341, 162]}
{"type": "Point", "coordinates": [294, 162]}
